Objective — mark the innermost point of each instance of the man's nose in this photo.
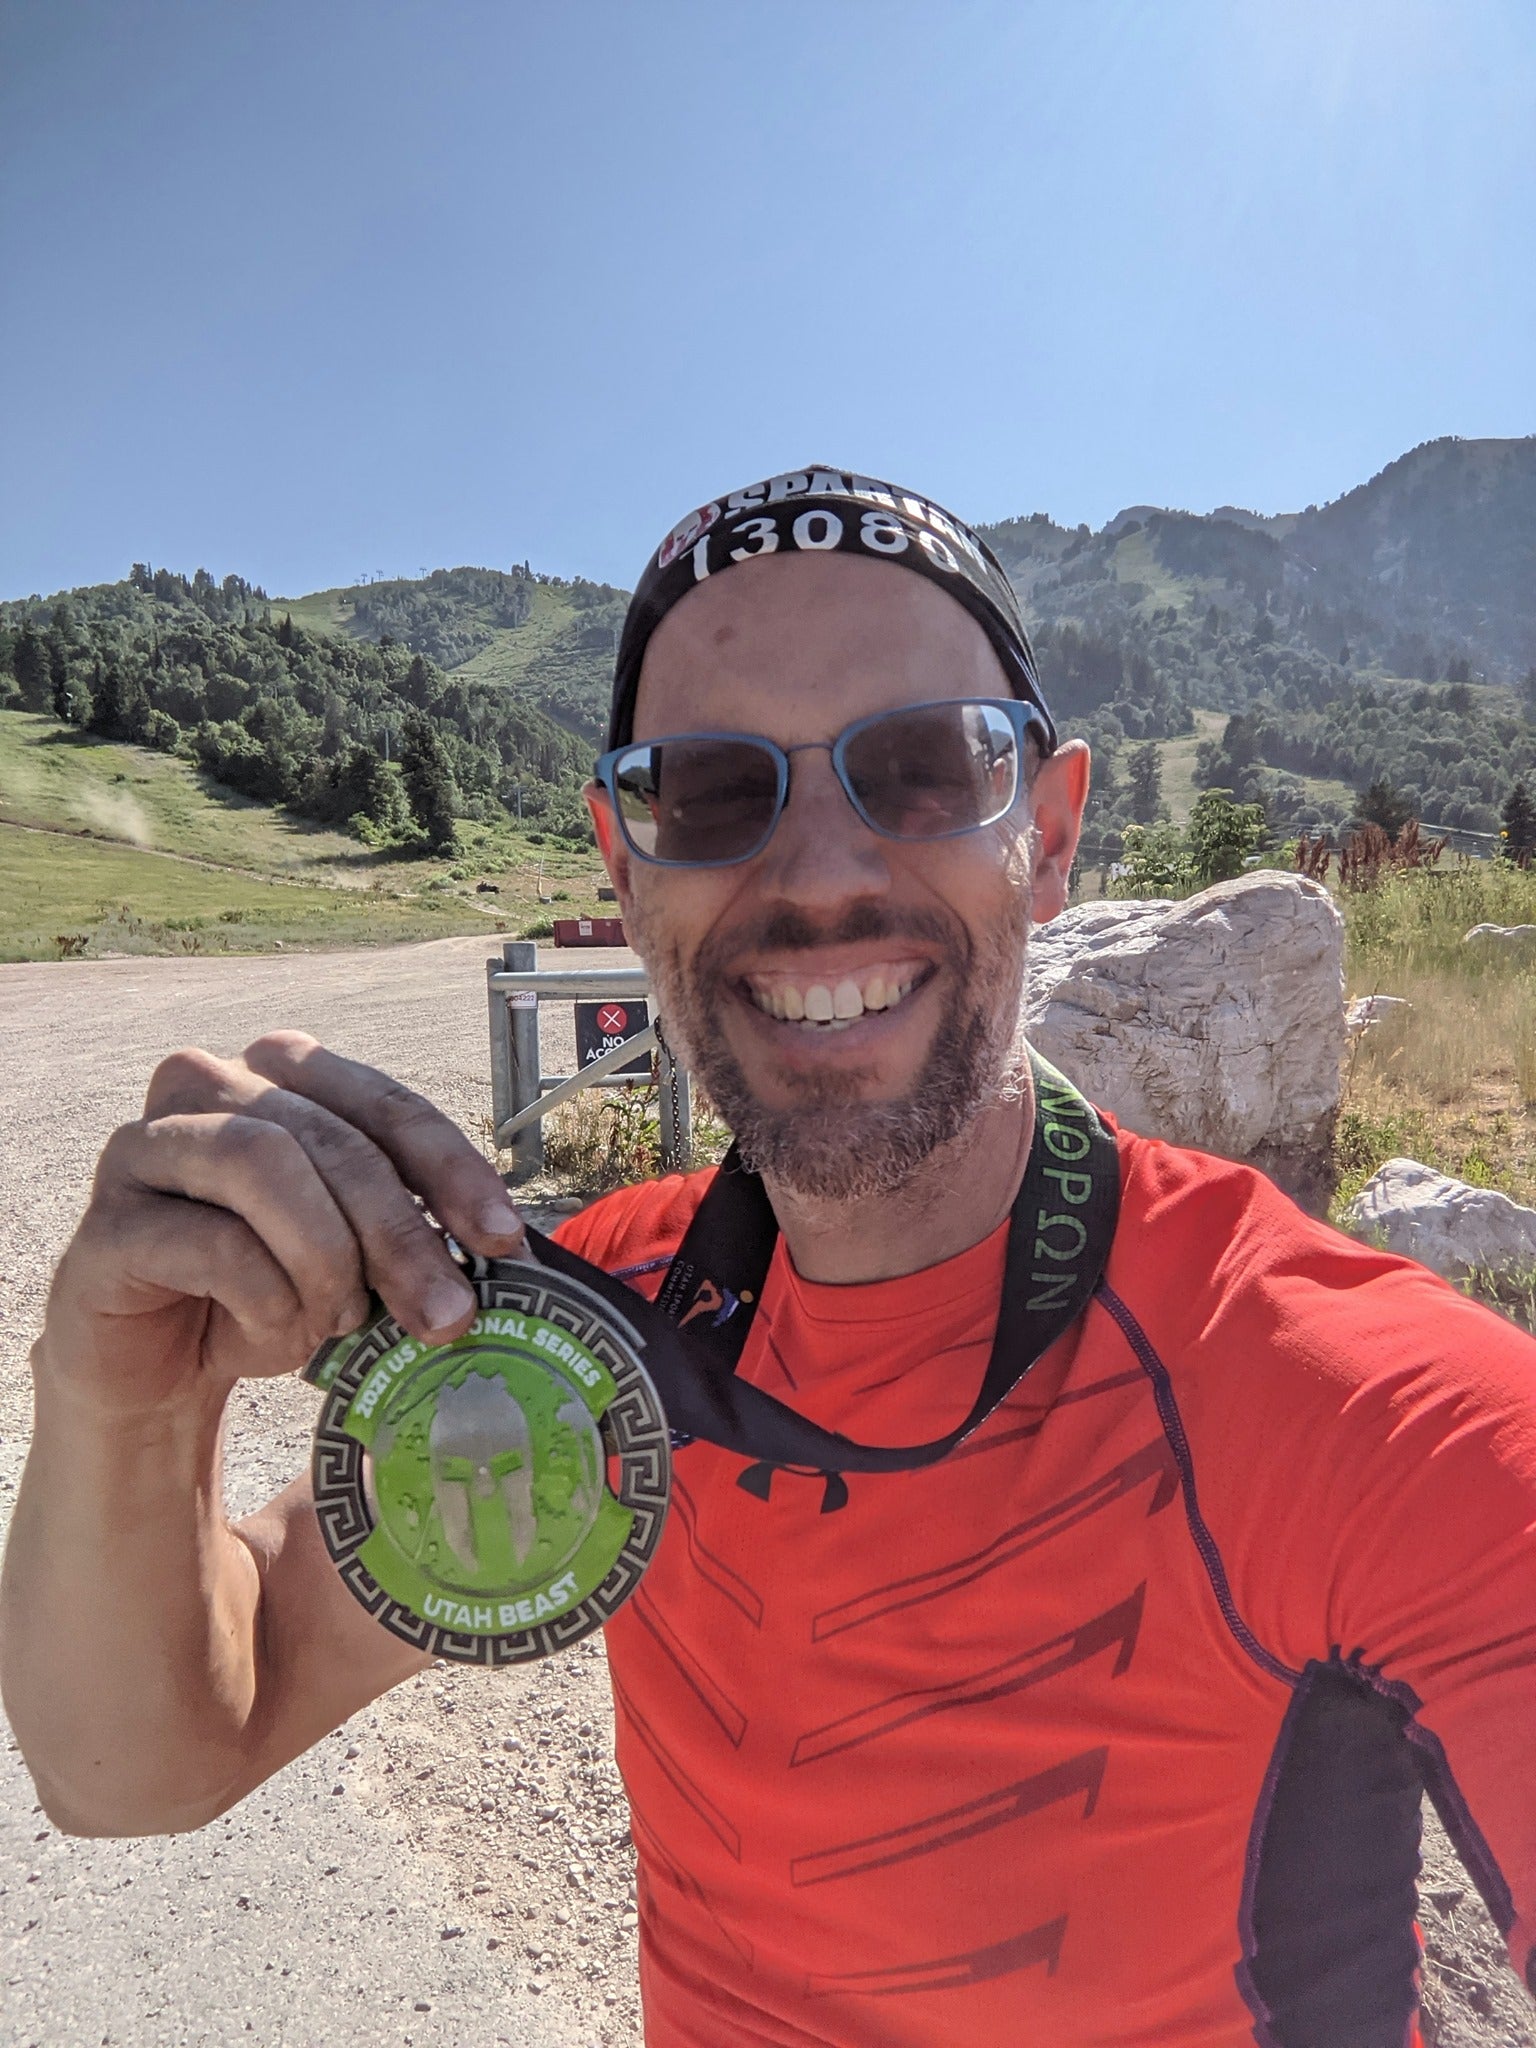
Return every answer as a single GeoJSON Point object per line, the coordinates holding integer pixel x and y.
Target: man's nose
{"type": "Point", "coordinates": [822, 853]}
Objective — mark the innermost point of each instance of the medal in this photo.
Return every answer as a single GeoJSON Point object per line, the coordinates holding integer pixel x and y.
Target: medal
{"type": "Point", "coordinates": [495, 1499]}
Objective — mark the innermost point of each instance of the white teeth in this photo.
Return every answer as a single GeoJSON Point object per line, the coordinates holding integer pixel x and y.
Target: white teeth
{"type": "Point", "coordinates": [834, 1007]}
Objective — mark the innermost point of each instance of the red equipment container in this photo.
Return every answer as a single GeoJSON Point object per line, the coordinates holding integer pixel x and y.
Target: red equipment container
{"type": "Point", "coordinates": [589, 931]}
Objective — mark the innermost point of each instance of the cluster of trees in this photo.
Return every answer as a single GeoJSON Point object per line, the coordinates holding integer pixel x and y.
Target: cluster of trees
{"type": "Point", "coordinates": [1449, 754]}
{"type": "Point", "coordinates": [1161, 859]}
{"type": "Point", "coordinates": [1083, 672]}
{"type": "Point", "coordinates": [344, 731]}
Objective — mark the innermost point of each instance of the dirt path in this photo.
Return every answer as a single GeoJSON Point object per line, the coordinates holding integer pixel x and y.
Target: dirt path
{"type": "Point", "coordinates": [405, 1883]}
{"type": "Point", "coordinates": [452, 1867]}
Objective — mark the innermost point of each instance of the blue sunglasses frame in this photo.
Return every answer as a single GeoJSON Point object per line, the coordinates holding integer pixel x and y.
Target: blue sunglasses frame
{"type": "Point", "coordinates": [1019, 712]}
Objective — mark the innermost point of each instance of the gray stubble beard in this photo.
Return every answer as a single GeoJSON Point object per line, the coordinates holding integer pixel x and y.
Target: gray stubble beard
{"type": "Point", "coordinates": [830, 1146]}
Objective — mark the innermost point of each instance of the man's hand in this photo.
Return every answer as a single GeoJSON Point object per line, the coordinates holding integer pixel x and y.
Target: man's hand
{"type": "Point", "coordinates": [158, 1663]}
{"type": "Point", "coordinates": [241, 1222]}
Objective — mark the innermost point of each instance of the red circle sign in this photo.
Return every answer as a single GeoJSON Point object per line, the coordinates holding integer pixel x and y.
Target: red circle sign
{"type": "Point", "coordinates": [612, 1018]}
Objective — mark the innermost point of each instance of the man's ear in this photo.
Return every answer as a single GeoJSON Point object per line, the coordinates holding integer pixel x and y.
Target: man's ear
{"type": "Point", "coordinates": [610, 840]}
{"type": "Point", "coordinates": [1056, 800]}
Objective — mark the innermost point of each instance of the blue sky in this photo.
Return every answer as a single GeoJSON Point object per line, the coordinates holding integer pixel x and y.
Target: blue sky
{"type": "Point", "coordinates": [314, 290]}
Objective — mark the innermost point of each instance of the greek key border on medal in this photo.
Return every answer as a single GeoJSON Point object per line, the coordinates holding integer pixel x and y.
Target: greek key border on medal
{"type": "Point", "coordinates": [633, 1429]}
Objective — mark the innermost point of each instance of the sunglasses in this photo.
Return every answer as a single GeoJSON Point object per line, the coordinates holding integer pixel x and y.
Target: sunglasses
{"type": "Point", "coordinates": [923, 771]}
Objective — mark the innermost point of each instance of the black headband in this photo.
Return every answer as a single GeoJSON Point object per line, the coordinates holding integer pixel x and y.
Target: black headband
{"type": "Point", "coordinates": [822, 511]}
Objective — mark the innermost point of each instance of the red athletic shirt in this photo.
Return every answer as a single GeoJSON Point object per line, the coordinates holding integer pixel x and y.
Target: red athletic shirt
{"type": "Point", "coordinates": [1111, 1727]}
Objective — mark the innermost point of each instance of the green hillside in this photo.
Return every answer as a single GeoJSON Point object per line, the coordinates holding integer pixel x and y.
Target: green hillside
{"type": "Point", "coordinates": [1385, 641]}
{"type": "Point", "coordinates": [548, 641]}
{"type": "Point", "coordinates": [114, 848]}
{"type": "Point", "coordinates": [54, 776]}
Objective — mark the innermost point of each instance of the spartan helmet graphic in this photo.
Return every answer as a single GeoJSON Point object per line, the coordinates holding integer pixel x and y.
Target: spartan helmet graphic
{"type": "Point", "coordinates": [482, 1473]}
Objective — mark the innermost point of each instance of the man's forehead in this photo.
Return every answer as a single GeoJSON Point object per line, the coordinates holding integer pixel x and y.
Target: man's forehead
{"type": "Point", "coordinates": [792, 627]}
{"type": "Point", "coordinates": [812, 515]}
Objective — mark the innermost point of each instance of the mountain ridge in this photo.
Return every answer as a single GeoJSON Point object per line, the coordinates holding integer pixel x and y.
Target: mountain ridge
{"type": "Point", "coordinates": [1313, 632]}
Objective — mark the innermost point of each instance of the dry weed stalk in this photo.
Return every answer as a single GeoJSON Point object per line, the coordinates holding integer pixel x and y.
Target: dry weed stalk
{"type": "Point", "coordinates": [1313, 856]}
{"type": "Point", "coordinates": [1370, 853]}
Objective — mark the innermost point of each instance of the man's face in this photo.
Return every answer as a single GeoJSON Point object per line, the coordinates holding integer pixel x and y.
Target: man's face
{"type": "Point", "coordinates": [916, 946]}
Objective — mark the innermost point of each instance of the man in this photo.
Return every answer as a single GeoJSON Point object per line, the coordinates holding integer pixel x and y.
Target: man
{"type": "Point", "coordinates": [1104, 1721]}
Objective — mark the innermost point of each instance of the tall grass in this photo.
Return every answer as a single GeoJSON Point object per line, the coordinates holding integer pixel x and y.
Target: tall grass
{"type": "Point", "coordinates": [1451, 1079]}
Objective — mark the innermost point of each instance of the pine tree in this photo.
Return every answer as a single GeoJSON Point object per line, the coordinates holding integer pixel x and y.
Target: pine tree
{"type": "Point", "coordinates": [422, 685]}
{"type": "Point", "coordinates": [366, 787]}
{"type": "Point", "coordinates": [428, 780]}
{"type": "Point", "coordinates": [1385, 806]}
{"type": "Point", "coordinates": [1517, 840]}
{"type": "Point", "coordinates": [1146, 784]}
{"type": "Point", "coordinates": [108, 701]}
{"type": "Point", "coordinates": [34, 674]}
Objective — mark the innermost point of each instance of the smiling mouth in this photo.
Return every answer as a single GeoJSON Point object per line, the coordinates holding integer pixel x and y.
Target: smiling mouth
{"type": "Point", "coordinates": [826, 1004]}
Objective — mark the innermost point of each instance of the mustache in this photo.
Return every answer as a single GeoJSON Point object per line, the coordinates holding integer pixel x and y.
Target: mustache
{"type": "Point", "coordinates": [786, 930]}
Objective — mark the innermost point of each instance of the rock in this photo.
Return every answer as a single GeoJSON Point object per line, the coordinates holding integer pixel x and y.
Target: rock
{"type": "Point", "coordinates": [1365, 1011]}
{"type": "Point", "coordinates": [1446, 1225]}
{"type": "Point", "coordinates": [1513, 935]}
{"type": "Point", "coordinates": [1217, 1022]}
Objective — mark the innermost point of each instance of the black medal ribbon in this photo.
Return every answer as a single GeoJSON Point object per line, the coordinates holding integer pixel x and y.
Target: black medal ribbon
{"type": "Point", "coordinates": [1061, 1227]}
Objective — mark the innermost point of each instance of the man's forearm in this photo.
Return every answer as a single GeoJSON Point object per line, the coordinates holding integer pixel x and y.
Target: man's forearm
{"type": "Point", "coordinates": [127, 1620]}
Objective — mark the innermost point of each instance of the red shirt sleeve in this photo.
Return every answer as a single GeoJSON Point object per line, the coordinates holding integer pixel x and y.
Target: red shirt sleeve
{"type": "Point", "coordinates": [1362, 1439]}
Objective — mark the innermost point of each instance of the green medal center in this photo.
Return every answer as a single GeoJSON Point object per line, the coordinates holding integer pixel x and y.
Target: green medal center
{"type": "Point", "coordinates": [487, 1473]}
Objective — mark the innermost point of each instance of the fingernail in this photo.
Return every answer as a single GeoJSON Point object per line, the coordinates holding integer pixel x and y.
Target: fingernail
{"type": "Point", "coordinates": [498, 1218]}
{"type": "Point", "coordinates": [447, 1302]}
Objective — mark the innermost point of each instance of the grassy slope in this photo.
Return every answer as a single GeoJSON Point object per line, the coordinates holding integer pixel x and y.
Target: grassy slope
{"type": "Point", "coordinates": [119, 899]}
{"type": "Point", "coordinates": [54, 775]}
{"type": "Point", "coordinates": [1180, 789]}
{"type": "Point", "coordinates": [202, 869]}
{"type": "Point", "coordinates": [323, 611]}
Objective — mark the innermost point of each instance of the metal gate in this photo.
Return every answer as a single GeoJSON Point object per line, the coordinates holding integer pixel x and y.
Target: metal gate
{"type": "Point", "coordinates": [522, 1093]}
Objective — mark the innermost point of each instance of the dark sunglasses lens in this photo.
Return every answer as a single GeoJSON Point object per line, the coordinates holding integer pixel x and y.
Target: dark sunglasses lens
{"type": "Point", "coordinates": [697, 802]}
{"type": "Point", "coordinates": [937, 769]}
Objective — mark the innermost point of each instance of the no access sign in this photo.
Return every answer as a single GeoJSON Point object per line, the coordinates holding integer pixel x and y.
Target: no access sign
{"type": "Point", "coordinates": [601, 1027]}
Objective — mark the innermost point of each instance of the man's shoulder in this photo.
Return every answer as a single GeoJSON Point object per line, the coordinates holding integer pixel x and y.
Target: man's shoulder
{"type": "Point", "coordinates": [1228, 1277]}
{"type": "Point", "coordinates": [635, 1230]}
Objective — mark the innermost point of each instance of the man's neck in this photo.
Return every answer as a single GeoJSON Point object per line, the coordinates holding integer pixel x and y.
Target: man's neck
{"type": "Point", "coordinates": [959, 1196]}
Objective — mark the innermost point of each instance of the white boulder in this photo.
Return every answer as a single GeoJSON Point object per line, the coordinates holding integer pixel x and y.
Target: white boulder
{"type": "Point", "coordinates": [1217, 1022]}
{"type": "Point", "coordinates": [1365, 1011]}
{"type": "Point", "coordinates": [1445, 1224]}
{"type": "Point", "coordinates": [1515, 935]}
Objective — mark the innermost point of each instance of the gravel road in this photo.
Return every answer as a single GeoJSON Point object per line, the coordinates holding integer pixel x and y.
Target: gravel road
{"type": "Point", "coordinates": [453, 1866]}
